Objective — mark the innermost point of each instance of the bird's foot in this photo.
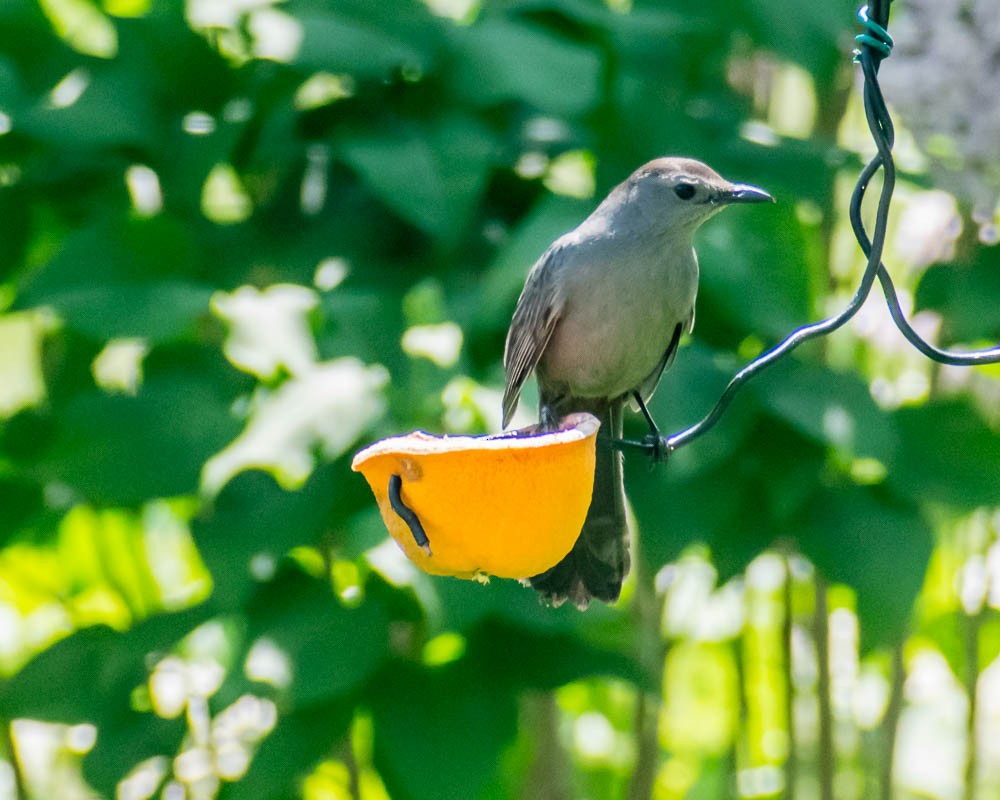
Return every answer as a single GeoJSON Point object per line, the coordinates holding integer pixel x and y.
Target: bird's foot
{"type": "Point", "coordinates": [653, 442]}
{"type": "Point", "coordinates": [657, 447]}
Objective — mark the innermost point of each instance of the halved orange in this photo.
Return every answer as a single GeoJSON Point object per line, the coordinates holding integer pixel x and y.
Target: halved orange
{"type": "Point", "coordinates": [510, 505]}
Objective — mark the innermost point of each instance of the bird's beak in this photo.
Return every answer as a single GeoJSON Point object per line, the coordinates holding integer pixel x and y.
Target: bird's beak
{"type": "Point", "coordinates": [745, 193]}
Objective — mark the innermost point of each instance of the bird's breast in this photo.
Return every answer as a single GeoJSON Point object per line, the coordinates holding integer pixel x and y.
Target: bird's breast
{"type": "Point", "coordinates": [619, 315]}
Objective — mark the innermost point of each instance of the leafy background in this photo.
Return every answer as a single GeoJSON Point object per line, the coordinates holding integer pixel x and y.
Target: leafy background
{"type": "Point", "coordinates": [240, 240]}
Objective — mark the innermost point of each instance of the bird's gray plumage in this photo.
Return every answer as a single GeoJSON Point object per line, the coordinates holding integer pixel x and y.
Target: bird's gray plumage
{"type": "Point", "coordinates": [600, 317]}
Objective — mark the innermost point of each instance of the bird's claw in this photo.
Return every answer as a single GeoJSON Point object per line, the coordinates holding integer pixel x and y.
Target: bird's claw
{"type": "Point", "coordinates": [657, 447]}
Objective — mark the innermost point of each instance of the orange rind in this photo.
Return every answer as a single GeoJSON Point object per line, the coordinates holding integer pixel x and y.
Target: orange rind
{"type": "Point", "coordinates": [510, 505]}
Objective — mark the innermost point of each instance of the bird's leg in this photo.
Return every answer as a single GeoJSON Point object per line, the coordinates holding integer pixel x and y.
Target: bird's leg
{"type": "Point", "coordinates": [653, 442]}
{"type": "Point", "coordinates": [548, 416]}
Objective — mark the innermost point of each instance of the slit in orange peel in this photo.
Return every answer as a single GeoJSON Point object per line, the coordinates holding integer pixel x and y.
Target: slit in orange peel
{"type": "Point", "coordinates": [507, 505]}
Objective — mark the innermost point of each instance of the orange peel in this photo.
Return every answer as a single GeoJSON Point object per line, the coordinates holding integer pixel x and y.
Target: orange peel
{"type": "Point", "coordinates": [510, 505]}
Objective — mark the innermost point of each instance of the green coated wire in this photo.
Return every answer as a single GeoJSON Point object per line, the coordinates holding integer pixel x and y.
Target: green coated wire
{"type": "Point", "coordinates": [876, 44]}
{"type": "Point", "coordinates": [880, 116]}
{"type": "Point", "coordinates": [881, 129]}
{"type": "Point", "coordinates": [877, 38]}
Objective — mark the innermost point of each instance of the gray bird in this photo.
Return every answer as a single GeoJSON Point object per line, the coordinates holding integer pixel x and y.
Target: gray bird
{"type": "Point", "coordinates": [599, 319]}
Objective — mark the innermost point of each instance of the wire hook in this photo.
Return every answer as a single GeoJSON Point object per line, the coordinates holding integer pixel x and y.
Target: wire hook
{"type": "Point", "coordinates": [407, 514]}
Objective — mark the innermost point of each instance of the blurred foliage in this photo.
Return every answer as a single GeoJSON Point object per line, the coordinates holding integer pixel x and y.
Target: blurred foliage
{"type": "Point", "coordinates": [219, 217]}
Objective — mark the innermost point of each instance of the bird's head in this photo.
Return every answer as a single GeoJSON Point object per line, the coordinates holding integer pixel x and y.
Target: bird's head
{"type": "Point", "coordinates": [681, 193]}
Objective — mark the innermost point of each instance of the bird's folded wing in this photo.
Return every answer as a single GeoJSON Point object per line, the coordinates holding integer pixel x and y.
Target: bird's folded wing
{"type": "Point", "coordinates": [535, 318]}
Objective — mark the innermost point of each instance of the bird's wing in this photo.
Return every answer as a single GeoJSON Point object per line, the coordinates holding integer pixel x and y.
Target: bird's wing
{"type": "Point", "coordinates": [538, 310]}
{"type": "Point", "coordinates": [649, 385]}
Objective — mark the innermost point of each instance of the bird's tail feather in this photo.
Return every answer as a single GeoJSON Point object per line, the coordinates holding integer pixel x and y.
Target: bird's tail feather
{"type": "Point", "coordinates": [599, 561]}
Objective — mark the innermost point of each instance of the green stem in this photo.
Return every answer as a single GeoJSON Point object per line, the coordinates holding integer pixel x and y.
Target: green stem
{"type": "Point", "coordinates": [787, 625]}
{"type": "Point", "coordinates": [10, 748]}
{"type": "Point", "coordinates": [647, 746]}
{"type": "Point", "coordinates": [826, 756]}
{"type": "Point", "coordinates": [890, 724]}
{"type": "Point", "coordinates": [350, 761]}
{"type": "Point", "coordinates": [971, 681]}
{"type": "Point", "coordinates": [548, 777]}
{"type": "Point", "coordinates": [741, 745]}
{"type": "Point", "coordinates": [651, 653]}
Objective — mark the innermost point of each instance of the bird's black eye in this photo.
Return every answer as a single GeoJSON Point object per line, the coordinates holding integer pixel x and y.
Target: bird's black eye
{"type": "Point", "coordinates": [685, 191]}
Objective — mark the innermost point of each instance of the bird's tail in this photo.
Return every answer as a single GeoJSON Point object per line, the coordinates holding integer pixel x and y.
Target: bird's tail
{"type": "Point", "coordinates": [599, 561]}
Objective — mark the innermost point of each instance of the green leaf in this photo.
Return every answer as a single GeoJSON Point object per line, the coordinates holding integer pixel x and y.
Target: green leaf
{"type": "Point", "coordinates": [832, 408]}
{"type": "Point", "coordinates": [300, 739]}
{"type": "Point", "coordinates": [158, 311]}
{"type": "Point", "coordinates": [29, 40]}
{"type": "Point", "coordinates": [121, 450]}
{"type": "Point", "coordinates": [15, 222]}
{"type": "Point", "coordinates": [363, 323]}
{"type": "Point", "coordinates": [513, 658]}
{"type": "Point", "coordinates": [502, 60]}
{"type": "Point", "coordinates": [252, 518]}
{"type": "Point", "coordinates": [739, 507]}
{"type": "Point", "coordinates": [336, 43]}
{"type": "Point", "coordinates": [332, 648]}
{"type": "Point", "coordinates": [433, 176]}
{"type": "Point", "coordinates": [965, 295]}
{"type": "Point", "coordinates": [947, 453]}
{"type": "Point", "coordinates": [20, 501]}
{"type": "Point", "coordinates": [754, 272]}
{"type": "Point", "coordinates": [125, 738]}
{"type": "Point", "coordinates": [113, 111]}
{"type": "Point", "coordinates": [179, 67]}
{"type": "Point", "coordinates": [113, 252]}
{"type": "Point", "coordinates": [688, 391]}
{"type": "Point", "coordinates": [439, 732]}
{"type": "Point", "coordinates": [878, 545]}
{"type": "Point", "coordinates": [811, 40]}
{"type": "Point", "coordinates": [96, 669]}
{"type": "Point", "coordinates": [91, 660]}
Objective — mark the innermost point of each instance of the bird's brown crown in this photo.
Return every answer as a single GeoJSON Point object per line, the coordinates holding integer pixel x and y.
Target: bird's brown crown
{"type": "Point", "coordinates": [672, 165]}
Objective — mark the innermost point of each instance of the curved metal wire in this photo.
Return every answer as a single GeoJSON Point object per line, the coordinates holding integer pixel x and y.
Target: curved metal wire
{"type": "Point", "coordinates": [874, 46]}
{"type": "Point", "coordinates": [958, 359]}
{"type": "Point", "coordinates": [961, 359]}
{"type": "Point", "coordinates": [880, 126]}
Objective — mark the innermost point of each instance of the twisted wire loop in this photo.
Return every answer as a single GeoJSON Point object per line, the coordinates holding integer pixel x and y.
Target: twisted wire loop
{"type": "Point", "coordinates": [877, 44]}
{"type": "Point", "coordinates": [874, 45]}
